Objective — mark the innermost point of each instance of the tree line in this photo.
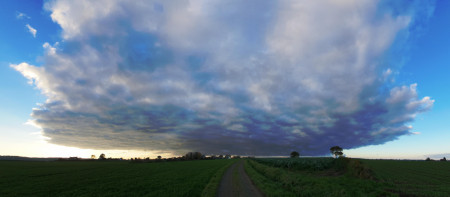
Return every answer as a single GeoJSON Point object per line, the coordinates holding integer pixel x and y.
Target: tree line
{"type": "Point", "coordinates": [188, 156]}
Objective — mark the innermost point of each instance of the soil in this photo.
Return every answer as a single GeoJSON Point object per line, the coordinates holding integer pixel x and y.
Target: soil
{"type": "Point", "coordinates": [235, 182]}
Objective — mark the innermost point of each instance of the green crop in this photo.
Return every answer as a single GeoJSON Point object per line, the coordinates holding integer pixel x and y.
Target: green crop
{"type": "Point", "coordinates": [349, 177]}
{"type": "Point", "coordinates": [281, 181]}
{"type": "Point", "coordinates": [319, 163]}
{"type": "Point", "coordinates": [413, 178]}
{"type": "Point", "coordinates": [107, 178]}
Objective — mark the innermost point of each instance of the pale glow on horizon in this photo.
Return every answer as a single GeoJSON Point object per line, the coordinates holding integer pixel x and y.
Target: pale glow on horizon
{"type": "Point", "coordinates": [45, 149]}
{"type": "Point", "coordinates": [34, 144]}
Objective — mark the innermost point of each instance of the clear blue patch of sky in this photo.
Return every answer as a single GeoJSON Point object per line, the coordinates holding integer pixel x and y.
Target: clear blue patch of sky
{"type": "Point", "coordinates": [429, 66]}
{"type": "Point", "coordinates": [429, 62]}
{"type": "Point", "coordinates": [18, 45]}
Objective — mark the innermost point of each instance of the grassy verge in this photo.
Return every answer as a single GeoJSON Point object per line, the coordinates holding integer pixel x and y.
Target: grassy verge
{"type": "Point", "coordinates": [213, 184]}
{"type": "Point", "coordinates": [267, 186]}
{"type": "Point", "coordinates": [274, 181]}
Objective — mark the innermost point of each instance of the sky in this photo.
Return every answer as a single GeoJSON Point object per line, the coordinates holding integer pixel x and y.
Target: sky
{"type": "Point", "coordinates": [148, 78]}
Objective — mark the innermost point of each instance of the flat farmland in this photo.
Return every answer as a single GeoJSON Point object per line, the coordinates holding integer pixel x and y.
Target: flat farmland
{"type": "Point", "coordinates": [274, 177]}
{"type": "Point", "coordinates": [413, 178]}
{"type": "Point", "coordinates": [349, 177]}
{"type": "Point", "coordinates": [310, 177]}
{"type": "Point", "coordinates": [108, 178]}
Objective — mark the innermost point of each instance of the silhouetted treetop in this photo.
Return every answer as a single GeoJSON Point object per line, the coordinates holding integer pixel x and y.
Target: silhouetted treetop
{"type": "Point", "coordinates": [336, 151]}
{"type": "Point", "coordinates": [294, 154]}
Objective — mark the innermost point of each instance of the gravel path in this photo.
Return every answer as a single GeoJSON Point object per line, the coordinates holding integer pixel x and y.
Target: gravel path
{"type": "Point", "coordinates": [235, 182]}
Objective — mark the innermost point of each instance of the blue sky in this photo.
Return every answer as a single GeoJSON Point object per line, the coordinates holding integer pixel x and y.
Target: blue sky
{"type": "Point", "coordinates": [163, 78]}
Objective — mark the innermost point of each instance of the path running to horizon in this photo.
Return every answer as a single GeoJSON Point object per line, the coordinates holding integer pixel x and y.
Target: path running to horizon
{"type": "Point", "coordinates": [235, 182]}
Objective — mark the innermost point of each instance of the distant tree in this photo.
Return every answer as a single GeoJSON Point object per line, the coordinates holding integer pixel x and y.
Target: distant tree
{"type": "Point", "coordinates": [428, 159]}
{"type": "Point", "coordinates": [197, 155]}
{"type": "Point", "coordinates": [336, 151]}
{"type": "Point", "coordinates": [443, 159]}
{"type": "Point", "coordinates": [294, 154]}
{"type": "Point", "coordinates": [102, 156]}
{"type": "Point", "coordinates": [193, 156]}
{"type": "Point", "coordinates": [159, 157]}
{"type": "Point", "coordinates": [189, 156]}
{"type": "Point", "coordinates": [93, 157]}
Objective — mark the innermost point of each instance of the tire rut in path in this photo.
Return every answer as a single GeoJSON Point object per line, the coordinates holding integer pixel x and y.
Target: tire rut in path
{"type": "Point", "coordinates": [235, 182]}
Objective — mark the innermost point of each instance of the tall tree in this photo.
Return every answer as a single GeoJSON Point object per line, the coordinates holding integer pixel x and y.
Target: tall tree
{"type": "Point", "coordinates": [294, 154]}
{"type": "Point", "coordinates": [336, 151]}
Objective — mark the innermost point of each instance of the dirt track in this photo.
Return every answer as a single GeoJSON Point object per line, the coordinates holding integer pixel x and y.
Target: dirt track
{"type": "Point", "coordinates": [235, 182]}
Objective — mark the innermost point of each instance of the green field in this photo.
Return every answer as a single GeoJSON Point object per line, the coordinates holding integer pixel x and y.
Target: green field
{"type": "Point", "coordinates": [109, 178]}
{"type": "Point", "coordinates": [420, 178]}
{"type": "Point", "coordinates": [312, 163]}
{"type": "Point", "coordinates": [349, 177]}
{"type": "Point", "coordinates": [274, 177]}
{"type": "Point", "coordinates": [302, 179]}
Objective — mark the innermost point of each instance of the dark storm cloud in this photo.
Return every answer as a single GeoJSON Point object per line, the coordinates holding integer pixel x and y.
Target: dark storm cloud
{"type": "Point", "coordinates": [223, 76]}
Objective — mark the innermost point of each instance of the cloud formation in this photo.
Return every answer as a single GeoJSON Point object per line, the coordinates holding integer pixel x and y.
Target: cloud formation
{"type": "Point", "coordinates": [20, 15]}
{"type": "Point", "coordinates": [32, 30]}
{"type": "Point", "coordinates": [241, 77]}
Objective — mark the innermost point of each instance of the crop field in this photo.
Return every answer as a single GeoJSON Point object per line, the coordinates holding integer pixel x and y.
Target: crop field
{"type": "Point", "coordinates": [109, 178]}
{"type": "Point", "coordinates": [309, 177]}
{"type": "Point", "coordinates": [420, 178]}
{"type": "Point", "coordinates": [349, 177]}
{"type": "Point", "coordinates": [274, 177]}
{"type": "Point", "coordinates": [299, 164]}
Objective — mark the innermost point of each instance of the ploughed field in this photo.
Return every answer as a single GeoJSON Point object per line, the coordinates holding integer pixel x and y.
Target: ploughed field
{"type": "Point", "coordinates": [349, 177]}
{"type": "Point", "coordinates": [111, 178]}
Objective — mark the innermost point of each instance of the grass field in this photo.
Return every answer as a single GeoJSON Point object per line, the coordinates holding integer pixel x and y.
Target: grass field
{"type": "Point", "coordinates": [350, 177]}
{"type": "Point", "coordinates": [109, 178]}
{"type": "Point", "coordinates": [408, 178]}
